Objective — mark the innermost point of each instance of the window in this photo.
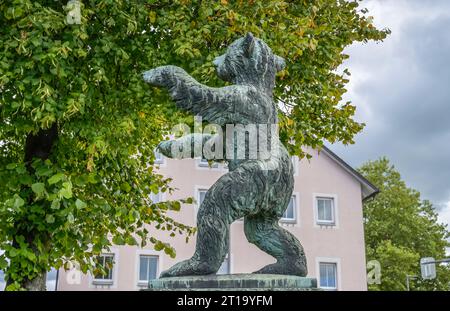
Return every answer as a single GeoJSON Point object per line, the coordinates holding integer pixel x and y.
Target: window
{"type": "Point", "coordinates": [156, 197]}
{"type": "Point", "coordinates": [2, 281]}
{"type": "Point", "coordinates": [51, 280]}
{"type": "Point", "coordinates": [148, 268]}
{"type": "Point", "coordinates": [325, 211]}
{"type": "Point", "coordinates": [107, 262]}
{"type": "Point", "coordinates": [290, 213]}
{"type": "Point", "coordinates": [159, 157]}
{"type": "Point", "coordinates": [328, 275]}
{"type": "Point", "coordinates": [201, 196]}
{"type": "Point", "coordinates": [225, 267]}
{"type": "Point", "coordinates": [204, 163]}
{"type": "Point", "coordinates": [2, 276]}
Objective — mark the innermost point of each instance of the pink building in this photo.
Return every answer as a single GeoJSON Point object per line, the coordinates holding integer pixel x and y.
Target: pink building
{"type": "Point", "coordinates": [325, 214]}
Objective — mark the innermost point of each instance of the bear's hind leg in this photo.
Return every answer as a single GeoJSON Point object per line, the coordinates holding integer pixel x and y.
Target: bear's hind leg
{"type": "Point", "coordinates": [221, 206]}
{"type": "Point", "coordinates": [268, 236]}
{"type": "Point", "coordinates": [211, 248]}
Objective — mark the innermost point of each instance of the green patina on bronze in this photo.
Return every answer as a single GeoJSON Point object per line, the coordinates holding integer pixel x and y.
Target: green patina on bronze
{"type": "Point", "coordinates": [246, 282]}
{"type": "Point", "coordinates": [250, 190]}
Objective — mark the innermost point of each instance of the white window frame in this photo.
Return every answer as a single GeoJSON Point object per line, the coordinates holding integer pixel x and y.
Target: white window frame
{"type": "Point", "coordinates": [109, 283]}
{"type": "Point", "coordinates": [108, 280]}
{"type": "Point", "coordinates": [328, 260]}
{"type": "Point", "coordinates": [224, 166]}
{"type": "Point", "coordinates": [146, 252]}
{"type": "Point", "coordinates": [228, 259]}
{"type": "Point", "coordinates": [295, 220]}
{"type": "Point", "coordinates": [161, 199]}
{"type": "Point", "coordinates": [197, 195]}
{"type": "Point", "coordinates": [335, 210]}
{"type": "Point", "coordinates": [3, 284]}
{"type": "Point", "coordinates": [144, 282]}
{"type": "Point", "coordinates": [204, 165]}
{"type": "Point", "coordinates": [197, 190]}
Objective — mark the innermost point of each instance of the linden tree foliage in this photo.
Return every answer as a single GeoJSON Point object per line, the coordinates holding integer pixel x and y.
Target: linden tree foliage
{"type": "Point", "coordinates": [400, 228]}
{"type": "Point", "coordinates": [83, 81]}
{"type": "Point", "coordinates": [94, 187]}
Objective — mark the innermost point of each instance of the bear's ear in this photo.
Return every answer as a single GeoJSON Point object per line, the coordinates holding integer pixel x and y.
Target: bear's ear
{"type": "Point", "coordinates": [279, 63]}
{"type": "Point", "coordinates": [248, 45]}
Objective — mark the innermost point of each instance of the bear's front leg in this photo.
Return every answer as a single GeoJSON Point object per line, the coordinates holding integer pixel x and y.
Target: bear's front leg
{"type": "Point", "coordinates": [180, 148]}
{"type": "Point", "coordinates": [191, 146]}
{"type": "Point", "coordinates": [165, 147]}
{"type": "Point", "coordinates": [162, 76]}
{"type": "Point", "coordinates": [174, 78]}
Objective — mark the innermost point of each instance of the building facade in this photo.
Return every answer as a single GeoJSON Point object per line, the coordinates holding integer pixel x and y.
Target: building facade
{"type": "Point", "coordinates": [325, 214]}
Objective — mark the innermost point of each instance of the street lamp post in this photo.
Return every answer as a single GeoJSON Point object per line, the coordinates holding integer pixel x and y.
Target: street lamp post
{"type": "Point", "coordinates": [408, 278]}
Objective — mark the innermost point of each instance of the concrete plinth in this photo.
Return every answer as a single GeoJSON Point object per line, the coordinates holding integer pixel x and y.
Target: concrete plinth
{"type": "Point", "coordinates": [235, 282]}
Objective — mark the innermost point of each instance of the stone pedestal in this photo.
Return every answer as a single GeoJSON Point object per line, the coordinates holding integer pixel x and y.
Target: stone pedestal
{"type": "Point", "coordinates": [234, 282]}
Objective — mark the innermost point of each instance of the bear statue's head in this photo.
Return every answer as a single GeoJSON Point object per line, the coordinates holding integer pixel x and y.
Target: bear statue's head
{"type": "Point", "coordinates": [249, 60]}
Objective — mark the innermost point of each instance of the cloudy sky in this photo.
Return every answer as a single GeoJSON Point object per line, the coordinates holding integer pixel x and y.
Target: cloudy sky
{"type": "Point", "coordinates": [401, 88]}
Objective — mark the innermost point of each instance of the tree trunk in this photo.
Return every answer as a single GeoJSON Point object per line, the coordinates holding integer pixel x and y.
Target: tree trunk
{"type": "Point", "coordinates": [40, 145]}
{"type": "Point", "coordinates": [36, 284]}
{"type": "Point", "coordinates": [37, 146]}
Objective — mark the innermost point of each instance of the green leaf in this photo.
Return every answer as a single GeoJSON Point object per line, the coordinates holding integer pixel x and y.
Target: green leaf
{"type": "Point", "coordinates": [80, 204]}
{"type": "Point", "coordinates": [55, 178]}
{"type": "Point", "coordinates": [70, 218]}
{"type": "Point", "coordinates": [12, 252]}
{"type": "Point", "coordinates": [18, 202]}
{"type": "Point", "coordinates": [55, 204]}
{"type": "Point", "coordinates": [3, 262]}
{"type": "Point", "coordinates": [43, 171]}
{"type": "Point", "coordinates": [93, 178]}
{"type": "Point", "coordinates": [11, 166]}
{"type": "Point", "coordinates": [50, 219]}
{"type": "Point", "coordinates": [130, 240]}
{"type": "Point", "coordinates": [159, 246]}
{"type": "Point", "coordinates": [118, 240]}
{"type": "Point", "coordinates": [170, 251]}
{"type": "Point", "coordinates": [190, 200]}
{"type": "Point", "coordinates": [66, 191]}
{"type": "Point", "coordinates": [25, 179]}
{"type": "Point", "coordinates": [176, 206]}
{"type": "Point", "coordinates": [30, 255]}
{"type": "Point", "coordinates": [38, 188]}
{"type": "Point", "coordinates": [21, 169]}
{"type": "Point", "coordinates": [125, 187]}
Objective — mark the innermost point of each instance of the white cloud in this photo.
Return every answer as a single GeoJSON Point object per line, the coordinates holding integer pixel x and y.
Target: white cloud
{"type": "Point", "coordinates": [400, 89]}
{"type": "Point", "coordinates": [444, 215]}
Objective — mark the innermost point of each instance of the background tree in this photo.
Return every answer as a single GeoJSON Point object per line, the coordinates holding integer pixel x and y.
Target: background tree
{"type": "Point", "coordinates": [78, 125]}
{"type": "Point", "coordinates": [400, 228]}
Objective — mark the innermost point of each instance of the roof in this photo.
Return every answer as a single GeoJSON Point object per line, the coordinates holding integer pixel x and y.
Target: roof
{"type": "Point", "coordinates": [368, 190]}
